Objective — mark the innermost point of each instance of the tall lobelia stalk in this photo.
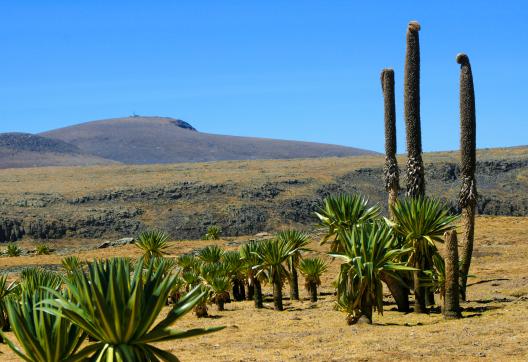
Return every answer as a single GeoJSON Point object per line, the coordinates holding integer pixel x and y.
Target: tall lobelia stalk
{"type": "Point", "coordinates": [392, 175]}
{"type": "Point", "coordinates": [391, 170]}
{"type": "Point", "coordinates": [468, 193]}
{"type": "Point", "coordinates": [415, 168]}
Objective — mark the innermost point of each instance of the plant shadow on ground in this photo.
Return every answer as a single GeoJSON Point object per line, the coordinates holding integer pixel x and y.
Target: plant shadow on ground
{"type": "Point", "coordinates": [488, 281]}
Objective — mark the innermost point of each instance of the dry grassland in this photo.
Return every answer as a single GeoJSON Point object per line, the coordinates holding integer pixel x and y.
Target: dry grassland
{"type": "Point", "coordinates": [494, 326]}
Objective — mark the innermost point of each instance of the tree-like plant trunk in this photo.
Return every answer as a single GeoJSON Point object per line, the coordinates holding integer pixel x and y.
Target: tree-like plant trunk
{"type": "Point", "coordinates": [241, 291]}
{"type": "Point", "coordinates": [201, 310]}
{"type": "Point", "coordinates": [415, 169]}
{"type": "Point", "coordinates": [468, 193]}
{"type": "Point", "coordinates": [236, 290]}
{"type": "Point", "coordinates": [258, 294]}
{"type": "Point", "coordinates": [313, 292]}
{"type": "Point", "coordinates": [451, 308]}
{"type": "Point", "coordinates": [250, 291]}
{"type": "Point", "coordinates": [429, 292]}
{"type": "Point", "coordinates": [399, 292]}
{"type": "Point", "coordinates": [391, 170]}
{"type": "Point", "coordinates": [430, 297]}
{"type": "Point", "coordinates": [277, 295]}
{"type": "Point", "coordinates": [294, 284]}
{"type": "Point", "coordinates": [366, 307]}
{"type": "Point", "coordinates": [419, 293]}
{"type": "Point", "coordinates": [220, 304]}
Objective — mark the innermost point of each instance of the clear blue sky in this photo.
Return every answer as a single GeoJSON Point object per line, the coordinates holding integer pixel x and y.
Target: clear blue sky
{"type": "Point", "coordinates": [306, 70]}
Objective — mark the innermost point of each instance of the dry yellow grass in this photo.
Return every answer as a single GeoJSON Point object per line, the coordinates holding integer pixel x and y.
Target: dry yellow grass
{"type": "Point", "coordinates": [75, 181]}
{"type": "Point", "coordinates": [494, 326]}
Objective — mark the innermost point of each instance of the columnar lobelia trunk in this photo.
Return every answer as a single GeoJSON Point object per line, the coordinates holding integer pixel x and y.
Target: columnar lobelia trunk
{"type": "Point", "coordinates": [294, 284]}
{"type": "Point", "coordinates": [415, 169]}
{"type": "Point", "coordinates": [391, 170]}
{"type": "Point", "coordinates": [468, 193]}
{"type": "Point", "coordinates": [451, 308]}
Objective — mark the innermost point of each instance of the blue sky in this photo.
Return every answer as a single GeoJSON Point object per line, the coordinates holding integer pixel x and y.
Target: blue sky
{"type": "Point", "coordinates": [305, 70]}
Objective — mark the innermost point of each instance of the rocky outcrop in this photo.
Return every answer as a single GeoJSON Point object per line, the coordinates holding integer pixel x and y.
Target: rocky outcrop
{"type": "Point", "coordinates": [10, 230]}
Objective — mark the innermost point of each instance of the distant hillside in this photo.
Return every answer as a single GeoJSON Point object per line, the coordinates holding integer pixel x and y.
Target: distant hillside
{"type": "Point", "coordinates": [28, 150]}
{"type": "Point", "coordinates": [142, 140]}
{"type": "Point", "coordinates": [241, 197]}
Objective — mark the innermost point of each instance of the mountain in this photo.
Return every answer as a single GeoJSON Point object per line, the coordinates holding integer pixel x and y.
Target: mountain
{"type": "Point", "coordinates": [143, 140]}
{"type": "Point", "coordinates": [28, 150]}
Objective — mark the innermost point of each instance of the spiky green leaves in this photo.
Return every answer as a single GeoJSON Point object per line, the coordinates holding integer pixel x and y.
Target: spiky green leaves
{"type": "Point", "coordinates": [43, 337]}
{"type": "Point", "coordinates": [421, 222]}
{"type": "Point", "coordinates": [211, 254]}
{"type": "Point", "coordinates": [249, 253]}
{"type": "Point", "coordinates": [344, 212]}
{"type": "Point", "coordinates": [34, 278]}
{"type": "Point", "coordinates": [312, 269]}
{"type": "Point", "coordinates": [213, 233]}
{"type": "Point", "coordinates": [13, 250]}
{"type": "Point", "coordinates": [273, 254]}
{"type": "Point", "coordinates": [153, 243]}
{"type": "Point", "coordinates": [297, 240]}
{"type": "Point", "coordinates": [8, 290]}
{"type": "Point", "coordinates": [119, 309]}
{"type": "Point", "coordinates": [368, 251]}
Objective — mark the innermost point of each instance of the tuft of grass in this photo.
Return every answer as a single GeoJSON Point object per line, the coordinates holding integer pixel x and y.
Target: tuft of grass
{"type": "Point", "coordinates": [13, 250]}
{"type": "Point", "coordinates": [42, 249]}
{"type": "Point", "coordinates": [213, 233]}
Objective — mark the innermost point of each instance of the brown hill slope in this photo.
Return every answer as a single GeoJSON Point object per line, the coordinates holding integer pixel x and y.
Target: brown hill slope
{"type": "Point", "coordinates": [142, 140]}
{"type": "Point", "coordinates": [27, 150]}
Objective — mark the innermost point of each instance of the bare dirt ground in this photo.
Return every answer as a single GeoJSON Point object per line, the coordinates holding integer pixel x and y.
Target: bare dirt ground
{"type": "Point", "coordinates": [494, 326]}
